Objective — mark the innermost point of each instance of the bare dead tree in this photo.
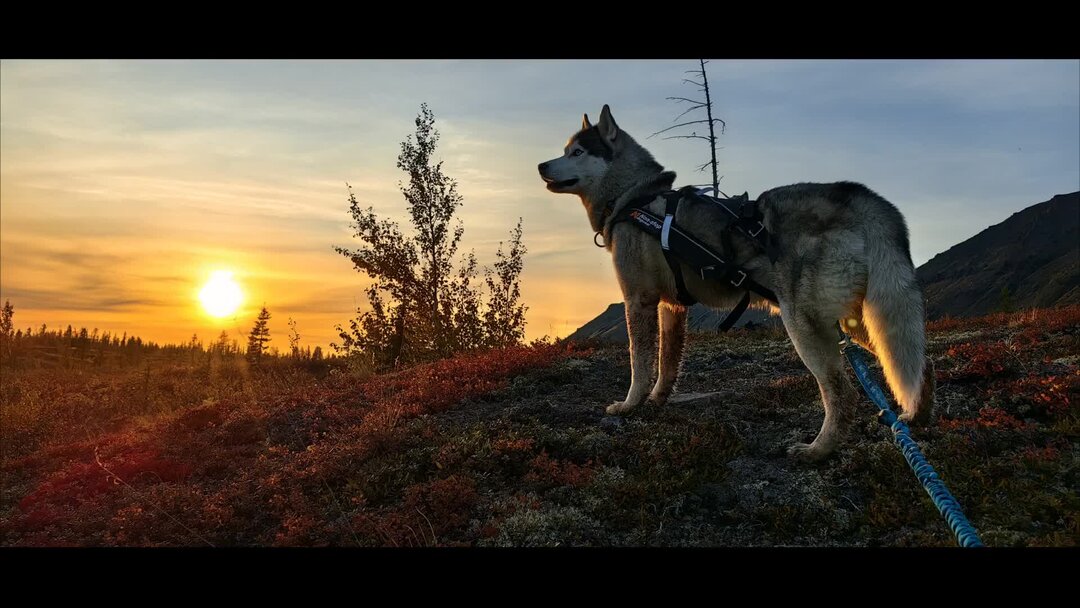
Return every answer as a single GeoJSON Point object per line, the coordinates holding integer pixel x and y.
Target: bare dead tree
{"type": "Point", "coordinates": [294, 339]}
{"type": "Point", "coordinates": [696, 104]}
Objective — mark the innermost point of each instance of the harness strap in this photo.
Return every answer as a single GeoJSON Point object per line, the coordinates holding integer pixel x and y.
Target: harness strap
{"type": "Point", "coordinates": [751, 222]}
{"type": "Point", "coordinates": [671, 201]}
{"type": "Point", "coordinates": [748, 220]}
{"type": "Point", "coordinates": [678, 246]}
{"type": "Point", "coordinates": [710, 266]}
{"type": "Point", "coordinates": [733, 316]}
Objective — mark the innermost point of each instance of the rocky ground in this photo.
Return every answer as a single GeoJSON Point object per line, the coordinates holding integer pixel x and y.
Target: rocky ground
{"type": "Point", "coordinates": [711, 468]}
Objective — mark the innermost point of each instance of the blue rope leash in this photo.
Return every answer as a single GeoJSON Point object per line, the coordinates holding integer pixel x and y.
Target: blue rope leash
{"type": "Point", "coordinates": [943, 499]}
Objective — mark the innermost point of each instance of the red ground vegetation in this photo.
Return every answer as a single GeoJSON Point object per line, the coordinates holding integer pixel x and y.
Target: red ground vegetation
{"type": "Point", "coordinates": [259, 468]}
{"type": "Point", "coordinates": [508, 447]}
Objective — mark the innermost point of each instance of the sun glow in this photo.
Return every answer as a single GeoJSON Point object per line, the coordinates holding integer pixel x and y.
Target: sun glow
{"type": "Point", "coordinates": [221, 296]}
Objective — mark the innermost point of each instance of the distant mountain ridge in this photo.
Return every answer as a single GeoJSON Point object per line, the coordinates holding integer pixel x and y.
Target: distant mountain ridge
{"type": "Point", "coordinates": [610, 325]}
{"type": "Point", "coordinates": [1034, 254]}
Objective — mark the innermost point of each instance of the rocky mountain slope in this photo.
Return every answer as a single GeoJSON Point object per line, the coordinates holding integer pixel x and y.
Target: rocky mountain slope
{"type": "Point", "coordinates": [1032, 259]}
{"type": "Point", "coordinates": [610, 326]}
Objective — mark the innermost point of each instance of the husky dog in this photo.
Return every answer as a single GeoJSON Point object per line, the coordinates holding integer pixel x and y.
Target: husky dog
{"type": "Point", "coordinates": [841, 253]}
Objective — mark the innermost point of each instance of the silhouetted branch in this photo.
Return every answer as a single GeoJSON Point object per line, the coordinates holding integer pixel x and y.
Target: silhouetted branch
{"type": "Point", "coordinates": [693, 122]}
{"type": "Point", "coordinates": [688, 137]}
{"type": "Point", "coordinates": [700, 103]}
{"type": "Point", "coordinates": [688, 111]}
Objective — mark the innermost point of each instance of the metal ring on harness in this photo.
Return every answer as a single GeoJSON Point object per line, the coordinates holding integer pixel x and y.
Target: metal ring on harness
{"type": "Point", "coordinates": [599, 233]}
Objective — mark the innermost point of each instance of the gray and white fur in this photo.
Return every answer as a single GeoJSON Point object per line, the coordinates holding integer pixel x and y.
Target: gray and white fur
{"type": "Point", "coordinates": [843, 255]}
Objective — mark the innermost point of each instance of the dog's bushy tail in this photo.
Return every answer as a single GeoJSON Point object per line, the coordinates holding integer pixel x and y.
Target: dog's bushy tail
{"type": "Point", "coordinates": [895, 320]}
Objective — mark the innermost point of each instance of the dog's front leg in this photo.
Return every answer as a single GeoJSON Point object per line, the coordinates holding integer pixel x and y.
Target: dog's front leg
{"type": "Point", "coordinates": [672, 336]}
{"type": "Point", "coordinates": [641, 326]}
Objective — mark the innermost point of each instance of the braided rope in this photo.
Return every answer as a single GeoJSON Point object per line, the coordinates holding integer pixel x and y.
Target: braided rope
{"type": "Point", "coordinates": [945, 502]}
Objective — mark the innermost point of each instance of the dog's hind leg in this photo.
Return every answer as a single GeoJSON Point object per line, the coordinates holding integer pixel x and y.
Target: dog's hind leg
{"type": "Point", "coordinates": [672, 336]}
{"type": "Point", "coordinates": [815, 341]}
{"type": "Point", "coordinates": [641, 325]}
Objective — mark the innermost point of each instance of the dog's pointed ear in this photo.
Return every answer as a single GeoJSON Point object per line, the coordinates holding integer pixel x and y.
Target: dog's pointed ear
{"type": "Point", "coordinates": [608, 129]}
{"type": "Point", "coordinates": [585, 124]}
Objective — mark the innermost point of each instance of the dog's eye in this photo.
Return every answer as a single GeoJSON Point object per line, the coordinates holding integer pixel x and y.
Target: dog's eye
{"type": "Point", "coordinates": [578, 152]}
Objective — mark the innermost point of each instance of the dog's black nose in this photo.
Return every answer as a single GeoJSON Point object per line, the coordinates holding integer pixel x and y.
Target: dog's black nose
{"type": "Point", "coordinates": [542, 167]}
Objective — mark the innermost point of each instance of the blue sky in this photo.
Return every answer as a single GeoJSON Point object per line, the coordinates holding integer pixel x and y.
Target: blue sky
{"type": "Point", "coordinates": [123, 184]}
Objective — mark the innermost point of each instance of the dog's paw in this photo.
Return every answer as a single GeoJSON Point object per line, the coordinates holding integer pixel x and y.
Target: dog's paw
{"type": "Point", "coordinates": [657, 400]}
{"type": "Point", "coordinates": [618, 408]}
{"type": "Point", "coordinates": [807, 452]}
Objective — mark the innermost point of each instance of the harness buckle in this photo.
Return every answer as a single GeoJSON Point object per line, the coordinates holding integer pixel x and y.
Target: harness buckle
{"type": "Point", "coordinates": [758, 231]}
{"type": "Point", "coordinates": [741, 279]}
{"type": "Point", "coordinates": [598, 235]}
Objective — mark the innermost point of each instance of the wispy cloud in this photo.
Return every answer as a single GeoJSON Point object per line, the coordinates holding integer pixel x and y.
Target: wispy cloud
{"type": "Point", "coordinates": [125, 183]}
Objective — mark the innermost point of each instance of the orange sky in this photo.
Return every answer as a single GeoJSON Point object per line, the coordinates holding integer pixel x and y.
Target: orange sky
{"type": "Point", "coordinates": [138, 267]}
{"type": "Point", "coordinates": [118, 202]}
{"type": "Point", "coordinates": [124, 184]}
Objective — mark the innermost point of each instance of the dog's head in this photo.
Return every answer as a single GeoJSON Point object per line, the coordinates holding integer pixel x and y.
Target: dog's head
{"type": "Point", "coordinates": [585, 159]}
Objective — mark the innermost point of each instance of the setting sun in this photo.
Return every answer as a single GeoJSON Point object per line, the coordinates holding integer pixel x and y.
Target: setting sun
{"type": "Point", "coordinates": [221, 296]}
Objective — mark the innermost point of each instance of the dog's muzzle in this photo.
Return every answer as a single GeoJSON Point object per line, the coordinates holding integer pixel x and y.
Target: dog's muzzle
{"type": "Point", "coordinates": [550, 181]}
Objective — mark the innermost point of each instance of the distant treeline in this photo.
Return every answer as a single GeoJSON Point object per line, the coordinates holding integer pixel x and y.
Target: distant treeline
{"type": "Point", "coordinates": [70, 348]}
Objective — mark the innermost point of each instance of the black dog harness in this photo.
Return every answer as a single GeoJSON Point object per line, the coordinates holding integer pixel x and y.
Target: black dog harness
{"type": "Point", "coordinates": [678, 246]}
